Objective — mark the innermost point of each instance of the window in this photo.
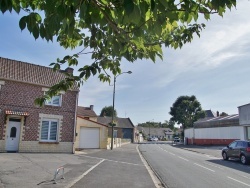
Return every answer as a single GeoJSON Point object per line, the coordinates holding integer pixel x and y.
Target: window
{"type": "Point", "coordinates": [115, 134]}
{"type": "Point", "coordinates": [248, 133]}
{"type": "Point", "coordinates": [13, 132]}
{"type": "Point", "coordinates": [233, 144]}
{"type": "Point", "coordinates": [239, 144]}
{"type": "Point", "coordinates": [54, 101]}
{"type": "Point", "coordinates": [49, 130]}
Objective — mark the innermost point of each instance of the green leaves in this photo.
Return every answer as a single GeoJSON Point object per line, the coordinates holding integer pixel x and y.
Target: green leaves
{"type": "Point", "coordinates": [32, 22]}
{"type": "Point", "coordinates": [113, 30]}
{"type": "Point", "coordinates": [22, 23]}
{"type": "Point", "coordinates": [128, 6]}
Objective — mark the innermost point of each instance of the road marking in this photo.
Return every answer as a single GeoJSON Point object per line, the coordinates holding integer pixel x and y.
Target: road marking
{"type": "Point", "coordinates": [215, 166]}
{"type": "Point", "coordinates": [113, 160]}
{"type": "Point", "coordinates": [84, 174]}
{"type": "Point", "coordinates": [245, 176]}
{"type": "Point", "coordinates": [183, 158]}
{"type": "Point", "coordinates": [171, 153]}
{"type": "Point", "coordinates": [151, 173]}
{"type": "Point", "coordinates": [212, 157]}
{"type": "Point", "coordinates": [204, 167]}
{"type": "Point", "coordinates": [239, 181]}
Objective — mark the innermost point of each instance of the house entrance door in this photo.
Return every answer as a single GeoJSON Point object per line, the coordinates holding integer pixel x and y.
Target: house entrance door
{"type": "Point", "coordinates": [13, 135]}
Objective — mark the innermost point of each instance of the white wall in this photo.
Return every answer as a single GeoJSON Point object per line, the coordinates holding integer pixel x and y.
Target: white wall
{"type": "Point", "coordinates": [220, 133]}
{"type": "Point", "coordinates": [189, 133]}
{"type": "Point", "coordinates": [244, 114]}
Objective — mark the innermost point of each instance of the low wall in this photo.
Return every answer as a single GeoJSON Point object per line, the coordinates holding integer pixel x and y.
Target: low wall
{"type": "Point", "coordinates": [2, 145]}
{"type": "Point", "coordinates": [212, 141]}
{"type": "Point", "coordinates": [34, 146]}
{"type": "Point", "coordinates": [118, 142]}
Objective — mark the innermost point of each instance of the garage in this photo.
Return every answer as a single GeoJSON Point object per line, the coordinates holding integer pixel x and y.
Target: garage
{"type": "Point", "coordinates": [89, 137]}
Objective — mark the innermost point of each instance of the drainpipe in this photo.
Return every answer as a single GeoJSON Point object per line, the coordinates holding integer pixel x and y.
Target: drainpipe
{"type": "Point", "coordinates": [74, 136]}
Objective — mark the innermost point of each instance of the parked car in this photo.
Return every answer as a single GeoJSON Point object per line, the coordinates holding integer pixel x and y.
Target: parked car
{"type": "Point", "coordinates": [177, 139]}
{"type": "Point", "coordinates": [238, 149]}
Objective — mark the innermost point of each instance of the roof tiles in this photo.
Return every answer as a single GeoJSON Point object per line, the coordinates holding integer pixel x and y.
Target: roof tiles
{"type": "Point", "coordinates": [85, 112]}
{"type": "Point", "coordinates": [29, 73]}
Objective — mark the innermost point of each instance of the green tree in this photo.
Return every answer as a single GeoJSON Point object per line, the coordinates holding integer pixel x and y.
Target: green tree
{"type": "Point", "coordinates": [112, 30]}
{"type": "Point", "coordinates": [107, 111]}
{"type": "Point", "coordinates": [186, 110]}
{"type": "Point", "coordinates": [171, 124]}
{"type": "Point", "coordinates": [223, 114]}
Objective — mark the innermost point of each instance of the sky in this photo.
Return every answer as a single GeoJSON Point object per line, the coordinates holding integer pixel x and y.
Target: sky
{"type": "Point", "coordinates": [215, 68]}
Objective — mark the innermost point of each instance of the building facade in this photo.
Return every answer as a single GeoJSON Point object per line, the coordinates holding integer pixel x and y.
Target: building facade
{"type": "Point", "coordinates": [25, 126]}
{"type": "Point", "coordinates": [220, 130]}
{"type": "Point", "coordinates": [89, 133]}
{"type": "Point", "coordinates": [244, 119]}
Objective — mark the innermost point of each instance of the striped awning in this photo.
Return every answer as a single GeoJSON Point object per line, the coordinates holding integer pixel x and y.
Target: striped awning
{"type": "Point", "coordinates": [13, 112]}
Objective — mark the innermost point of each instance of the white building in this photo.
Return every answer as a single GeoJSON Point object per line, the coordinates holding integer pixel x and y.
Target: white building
{"type": "Point", "coordinates": [220, 130]}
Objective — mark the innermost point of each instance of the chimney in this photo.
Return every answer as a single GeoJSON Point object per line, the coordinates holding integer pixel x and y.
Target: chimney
{"type": "Point", "coordinates": [218, 114]}
{"type": "Point", "coordinates": [69, 70]}
{"type": "Point", "coordinates": [91, 107]}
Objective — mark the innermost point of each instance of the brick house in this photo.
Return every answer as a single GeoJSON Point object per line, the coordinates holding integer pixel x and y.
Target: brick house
{"type": "Point", "coordinates": [26, 127]}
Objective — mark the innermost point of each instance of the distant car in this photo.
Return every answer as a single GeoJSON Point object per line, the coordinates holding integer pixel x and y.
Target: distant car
{"type": "Point", "coordinates": [149, 139]}
{"type": "Point", "coordinates": [155, 139]}
{"type": "Point", "coordinates": [177, 139]}
{"type": "Point", "coordinates": [152, 139]}
{"type": "Point", "coordinates": [239, 149]}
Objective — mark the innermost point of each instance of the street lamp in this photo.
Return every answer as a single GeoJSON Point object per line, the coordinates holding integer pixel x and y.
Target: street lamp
{"type": "Point", "coordinates": [149, 126]}
{"type": "Point", "coordinates": [112, 122]}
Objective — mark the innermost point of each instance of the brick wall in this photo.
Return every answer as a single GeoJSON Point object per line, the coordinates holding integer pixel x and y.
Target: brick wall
{"type": "Point", "coordinates": [20, 97]}
{"type": "Point", "coordinates": [213, 141]}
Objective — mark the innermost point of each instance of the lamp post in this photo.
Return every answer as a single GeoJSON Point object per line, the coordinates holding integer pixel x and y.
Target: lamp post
{"type": "Point", "coordinates": [149, 126]}
{"type": "Point", "coordinates": [112, 122]}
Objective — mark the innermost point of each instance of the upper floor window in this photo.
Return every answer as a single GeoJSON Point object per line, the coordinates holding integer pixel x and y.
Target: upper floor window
{"type": "Point", "coordinates": [54, 101]}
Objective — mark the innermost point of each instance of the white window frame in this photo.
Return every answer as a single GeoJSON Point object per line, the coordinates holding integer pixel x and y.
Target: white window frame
{"type": "Point", "coordinates": [50, 101]}
{"type": "Point", "coordinates": [48, 136]}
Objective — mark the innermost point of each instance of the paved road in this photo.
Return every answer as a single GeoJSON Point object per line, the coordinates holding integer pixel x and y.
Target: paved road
{"type": "Point", "coordinates": [179, 168]}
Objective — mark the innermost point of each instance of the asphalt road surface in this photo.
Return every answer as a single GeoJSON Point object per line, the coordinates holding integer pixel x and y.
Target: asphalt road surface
{"type": "Point", "coordinates": [179, 168]}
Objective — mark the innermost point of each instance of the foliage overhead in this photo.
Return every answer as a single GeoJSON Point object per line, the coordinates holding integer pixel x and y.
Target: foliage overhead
{"type": "Point", "coordinates": [112, 30]}
{"type": "Point", "coordinates": [186, 110]}
{"type": "Point", "coordinates": [107, 111]}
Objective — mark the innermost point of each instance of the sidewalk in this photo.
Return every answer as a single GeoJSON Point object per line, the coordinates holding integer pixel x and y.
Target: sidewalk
{"type": "Point", "coordinates": [121, 167]}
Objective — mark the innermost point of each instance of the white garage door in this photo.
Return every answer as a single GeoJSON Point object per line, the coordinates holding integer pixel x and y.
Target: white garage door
{"type": "Point", "coordinates": [89, 137]}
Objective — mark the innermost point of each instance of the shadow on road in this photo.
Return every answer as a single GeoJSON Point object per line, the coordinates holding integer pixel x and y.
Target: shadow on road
{"type": "Point", "coordinates": [234, 164]}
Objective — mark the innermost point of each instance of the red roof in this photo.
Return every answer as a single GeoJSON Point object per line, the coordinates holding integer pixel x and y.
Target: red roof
{"type": "Point", "coordinates": [29, 73]}
{"type": "Point", "coordinates": [85, 112]}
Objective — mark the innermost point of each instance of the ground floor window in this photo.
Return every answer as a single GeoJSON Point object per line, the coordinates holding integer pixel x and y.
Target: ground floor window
{"type": "Point", "coordinates": [49, 130]}
{"type": "Point", "coordinates": [248, 133]}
